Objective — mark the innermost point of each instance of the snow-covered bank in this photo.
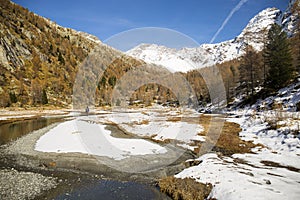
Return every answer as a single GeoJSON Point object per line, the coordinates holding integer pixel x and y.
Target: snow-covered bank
{"type": "Point", "coordinates": [271, 173]}
{"type": "Point", "coordinates": [89, 138]}
{"type": "Point", "coordinates": [234, 180]}
{"type": "Point", "coordinates": [110, 151]}
{"type": "Point", "coordinates": [4, 118]}
{"type": "Point", "coordinates": [280, 146]}
{"type": "Point", "coordinates": [159, 124]}
{"type": "Point", "coordinates": [88, 134]}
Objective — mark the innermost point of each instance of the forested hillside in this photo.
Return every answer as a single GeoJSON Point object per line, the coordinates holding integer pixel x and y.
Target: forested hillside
{"type": "Point", "coordinates": [39, 61]}
{"type": "Point", "coordinates": [38, 58]}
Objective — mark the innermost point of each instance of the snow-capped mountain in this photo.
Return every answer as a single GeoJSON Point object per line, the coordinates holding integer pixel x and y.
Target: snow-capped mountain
{"type": "Point", "coordinates": [253, 34]}
{"type": "Point", "coordinates": [290, 17]}
{"type": "Point", "coordinates": [174, 60]}
{"type": "Point", "coordinates": [186, 59]}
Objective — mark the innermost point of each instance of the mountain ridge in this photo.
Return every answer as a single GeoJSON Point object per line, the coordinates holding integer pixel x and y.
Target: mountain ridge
{"type": "Point", "coordinates": [39, 61]}
{"type": "Point", "coordinates": [253, 34]}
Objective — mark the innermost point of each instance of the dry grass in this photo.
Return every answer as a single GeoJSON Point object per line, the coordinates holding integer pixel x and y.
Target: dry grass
{"type": "Point", "coordinates": [145, 113]}
{"type": "Point", "coordinates": [284, 120]}
{"type": "Point", "coordinates": [203, 120]}
{"type": "Point", "coordinates": [145, 122]}
{"type": "Point", "coordinates": [174, 119]}
{"type": "Point", "coordinates": [184, 189]}
{"type": "Point", "coordinates": [277, 165]}
{"type": "Point", "coordinates": [228, 142]}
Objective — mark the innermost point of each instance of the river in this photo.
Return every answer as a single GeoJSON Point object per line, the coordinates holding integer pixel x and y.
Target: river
{"type": "Point", "coordinates": [93, 189]}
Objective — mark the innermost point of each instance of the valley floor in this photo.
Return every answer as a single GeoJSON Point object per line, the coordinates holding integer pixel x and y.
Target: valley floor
{"type": "Point", "coordinates": [248, 159]}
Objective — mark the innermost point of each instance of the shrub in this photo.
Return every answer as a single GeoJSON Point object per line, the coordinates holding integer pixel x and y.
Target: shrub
{"type": "Point", "coordinates": [13, 97]}
{"type": "Point", "coordinates": [185, 189]}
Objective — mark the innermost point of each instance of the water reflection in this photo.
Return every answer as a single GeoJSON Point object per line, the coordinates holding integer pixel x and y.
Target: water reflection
{"type": "Point", "coordinates": [14, 130]}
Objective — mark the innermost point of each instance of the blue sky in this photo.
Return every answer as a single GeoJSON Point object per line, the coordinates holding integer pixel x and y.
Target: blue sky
{"type": "Point", "coordinates": [198, 19]}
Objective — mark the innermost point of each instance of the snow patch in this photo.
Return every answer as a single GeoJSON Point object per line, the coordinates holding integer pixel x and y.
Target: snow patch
{"type": "Point", "coordinates": [90, 138]}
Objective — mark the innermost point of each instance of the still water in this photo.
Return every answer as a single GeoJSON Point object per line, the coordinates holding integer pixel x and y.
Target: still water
{"type": "Point", "coordinates": [14, 130]}
{"type": "Point", "coordinates": [114, 190]}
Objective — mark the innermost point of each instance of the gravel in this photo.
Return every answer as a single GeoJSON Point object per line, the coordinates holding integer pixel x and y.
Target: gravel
{"type": "Point", "coordinates": [23, 185]}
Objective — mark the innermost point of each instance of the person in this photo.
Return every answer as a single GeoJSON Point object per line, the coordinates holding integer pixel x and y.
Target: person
{"type": "Point", "coordinates": [87, 110]}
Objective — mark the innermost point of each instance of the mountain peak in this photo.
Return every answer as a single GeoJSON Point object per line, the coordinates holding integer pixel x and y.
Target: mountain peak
{"type": "Point", "coordinates": [264, 18]}
{"type": "Point", "coordinates": [253, 34]}
{"type": "Point", "coordinates": [257, 28]}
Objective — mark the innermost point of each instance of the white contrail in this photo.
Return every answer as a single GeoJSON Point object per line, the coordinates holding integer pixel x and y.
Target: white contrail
{"type": "Point", "coordinates": [235, 9]}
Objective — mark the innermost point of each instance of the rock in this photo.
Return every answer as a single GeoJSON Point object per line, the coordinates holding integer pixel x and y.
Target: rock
{"type": "Point", "coordinates": [23, 185]}
{"type": "Point", "coordinates": [298, 106]}
{"type": "Point", "coordinates": [249, 174]}
{"type": "Point", "coordinates": [52, 164]}
{"type": "Point", "coordinates": [192, 162]}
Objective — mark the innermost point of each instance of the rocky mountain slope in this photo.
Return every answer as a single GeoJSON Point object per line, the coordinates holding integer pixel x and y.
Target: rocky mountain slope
{"type": "Point", "coordinates": [44, 63]}
{"type": "Point", "coordinates": [205, 55]}
{"type": "Point", "coordinates": [290, 18]}
{"type": "Point", "coordinates": [39, 59]}
{"type": "Point", "coordinates": [37, 56]}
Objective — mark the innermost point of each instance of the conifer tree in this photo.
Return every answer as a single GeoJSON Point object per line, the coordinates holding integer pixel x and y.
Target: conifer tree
{"type": "Point", "coordinates": [278, 58]}
{"type": "Point", "coordinates": [13, 97]}
{"type": "Point", "coordinates": [249, 70]}
{"type": "Point", "coordinates": [44, 97]}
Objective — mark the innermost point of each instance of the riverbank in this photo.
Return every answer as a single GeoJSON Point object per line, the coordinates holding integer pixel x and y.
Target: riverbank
{"type": "Point", "coordinates": [179, 132]}
{"type": "Point", "coordinates": [146, 147]}
{"type": "Point", "coordinates": [149, 163]}
{"type": "Point", "coordinates": [64, 181]}
{"type": "Point", "coordinates": [9, 115]}
{"type": "Point", "coordinates": [144, 169]}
